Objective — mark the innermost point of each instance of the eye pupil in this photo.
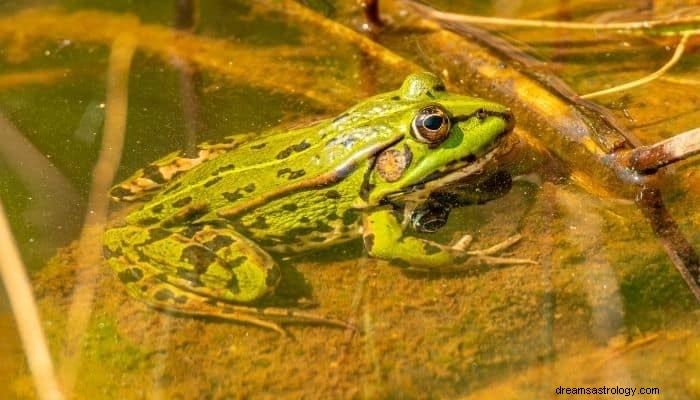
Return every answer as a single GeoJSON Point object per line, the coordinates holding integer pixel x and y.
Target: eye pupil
{"type": "Point", "coordinates": [433, 122]}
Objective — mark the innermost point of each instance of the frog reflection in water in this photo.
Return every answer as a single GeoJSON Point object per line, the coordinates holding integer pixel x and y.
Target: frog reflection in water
{"type": "Point", "coordinates": [203, 243]}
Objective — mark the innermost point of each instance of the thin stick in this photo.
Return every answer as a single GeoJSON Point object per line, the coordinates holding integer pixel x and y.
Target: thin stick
{"type": "Point", "coordinates": [674, 59]}
{"type": "Point", "coordinates": [31, 333]}
{"type": "Point", "coordinates": [89, 255]}
{"type": "Point", "coordinates": [648, 159]}
{"type": "Point", "coordinates": [532, 23]}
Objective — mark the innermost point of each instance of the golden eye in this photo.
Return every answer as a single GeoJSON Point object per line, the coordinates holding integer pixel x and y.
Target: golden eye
{"type": "Point", "coordinates": [431, 125]}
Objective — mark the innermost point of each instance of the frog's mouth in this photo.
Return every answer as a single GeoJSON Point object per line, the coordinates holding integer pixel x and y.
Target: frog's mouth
{"type": "Point", "coordinates": [460, 171]}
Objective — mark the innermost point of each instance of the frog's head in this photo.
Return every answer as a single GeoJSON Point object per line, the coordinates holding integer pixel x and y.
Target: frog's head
{"type": "Point", "coordinates": [440, 137]}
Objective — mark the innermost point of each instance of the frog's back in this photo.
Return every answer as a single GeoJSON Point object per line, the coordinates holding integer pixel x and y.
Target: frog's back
{"type": "Point", "coordinates": [257, 172]}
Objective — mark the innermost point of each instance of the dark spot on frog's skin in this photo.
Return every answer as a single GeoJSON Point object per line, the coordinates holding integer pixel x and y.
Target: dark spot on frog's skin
{"type": "Point", "coordinates": [227, 167]}
{"type": "Point", "coordinates": [232, 284]}
{"type": "Point", "coordinates": [267, 242]}
{"type": "Point", "coordinates": [212, 181]}
{"type": "Point", "coordinates": [332, 216]}
{"type": "Point", "coordinates": [156, 234]}
{"type": "Point", "coordinates": [289, 207]}
{"type": "Point", "coordinates": [158, 208]}
{"type": "Point", "coordinates": [191, 230]}
{"type": "Point", "coordinates": [258, 146]}
{"type": "Point", "coordinates": [120, 192]}
{"type": "Point", "coordinates": [333, 194]}
{"type": "Point", "coordinates": [182, 202]}
{"type": "Point", "coordinates": [130, 275]}
{"type": "Point", "coordinates": [190, 276]}
{"type": "Point", "coordinates": [218, 242]}
{"type": "Point", "coordinates": [317, 239]}
{"type": "Point", "coordinates": [182, 299]}
{"type": "Point", "coordinates": [163, 295]}
{"type": "Point", "coordinates": [430, 248]}
{"type": "Point", "coordinates": [173, 188]}
{"type": "Point", "coordinates": [470, 158]}
{"type": "Point", "coordinates": [350, 216]}
{"type": "Point", "coordinates": [111, 254]}
{"type": "Point", "coordinates": [292, 235]}
{"type": "Point", "coordinates": [250, 188]}
{"type": "Point", "coordinates": [396, 98]}
{"type": "Point", "coordinates": [148, 221]}
{"type": "Point", "coordinates": [398, 262]}
{"type": "Point", "coordinates": [198, 256]}
{"type": "Point", "coordinates": [297, 174]}
{"type": "Point", "coordinates": [323, 227]}
{"type": "Point", "coordinates": [260, 223]}
{"type": "Point", "coordinates": [292, 174]}
{"type": "Point", "coordinates": [163, 277]}
{"type": "Point", "coordinates": [369, 241]}
{"type": "Point", "coordinates": [152, 172]}
{"type": "Point", "coordinates": [304, 220]}
{"type": "Point", "coordinates": [293, 148]}
{"type": "Point", "coordinates": [233, 196]}
{"type": "Point", "coordinates": [236, 262]}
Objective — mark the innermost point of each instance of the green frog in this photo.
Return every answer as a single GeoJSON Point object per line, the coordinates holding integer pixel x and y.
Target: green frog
{"type": "Point", "coordinates": [204, 242]}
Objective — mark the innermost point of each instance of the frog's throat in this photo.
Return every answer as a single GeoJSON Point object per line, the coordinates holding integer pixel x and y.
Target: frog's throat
{"type": "Point", "coordinates": [459, 172]}
{"type": "Point", "coordinates": [335, 175]}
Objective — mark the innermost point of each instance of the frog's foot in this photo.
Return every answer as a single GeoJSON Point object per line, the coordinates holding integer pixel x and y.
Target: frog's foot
{"type": "Point", "coordinates": [486, 256]}
{"type": "Point", "coordinates": [263, 317]}
{"type": "Point", "coordinates": [172, 299]}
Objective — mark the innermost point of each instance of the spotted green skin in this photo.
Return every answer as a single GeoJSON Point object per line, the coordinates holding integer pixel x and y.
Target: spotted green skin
{"type": "Point", "coordinates": [208, 234]}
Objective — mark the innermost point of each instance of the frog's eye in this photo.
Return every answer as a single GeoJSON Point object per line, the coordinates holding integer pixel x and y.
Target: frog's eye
{"type": "Point", "coordinates": [431, 125]}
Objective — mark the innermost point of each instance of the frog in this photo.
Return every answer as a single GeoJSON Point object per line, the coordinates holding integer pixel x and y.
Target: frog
{"type": "Point", "coordinates": [215, 222]}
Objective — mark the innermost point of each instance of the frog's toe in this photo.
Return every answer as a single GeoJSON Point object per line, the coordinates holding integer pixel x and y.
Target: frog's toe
{"type": "Point", "coordinates": [497, 248]}
{"type": "Point", "coordinates": [461, 241]}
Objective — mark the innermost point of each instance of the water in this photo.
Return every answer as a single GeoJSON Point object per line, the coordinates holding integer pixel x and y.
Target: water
{"type": "Point", "coordinates": [604, 306]}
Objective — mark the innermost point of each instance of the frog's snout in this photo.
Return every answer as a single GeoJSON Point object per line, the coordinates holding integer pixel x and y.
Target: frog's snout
{"type": "Point", "coordinates": [509, 118]}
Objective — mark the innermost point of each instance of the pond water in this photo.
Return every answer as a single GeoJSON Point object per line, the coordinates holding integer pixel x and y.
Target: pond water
{"type": "Point", "coordinates": [603, 304]}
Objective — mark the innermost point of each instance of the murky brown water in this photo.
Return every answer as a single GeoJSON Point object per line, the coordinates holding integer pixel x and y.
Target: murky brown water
{"type": "Point", "coordinates": [604, 306]}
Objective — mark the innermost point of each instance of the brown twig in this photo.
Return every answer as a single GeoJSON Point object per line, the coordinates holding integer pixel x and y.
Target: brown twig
{"type": "Point", "coordinates": [678, 248]}
{"type": "Point", "coordinates": [371, 10]}
{"type": "Point", "coordinates": [648, 159]}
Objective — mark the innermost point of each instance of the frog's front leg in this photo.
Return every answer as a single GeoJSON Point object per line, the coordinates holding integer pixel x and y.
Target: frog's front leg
{"type": "Point", "coordinates": [200, 270]}
{"type": "Point", "coordinates": [383, 237]}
